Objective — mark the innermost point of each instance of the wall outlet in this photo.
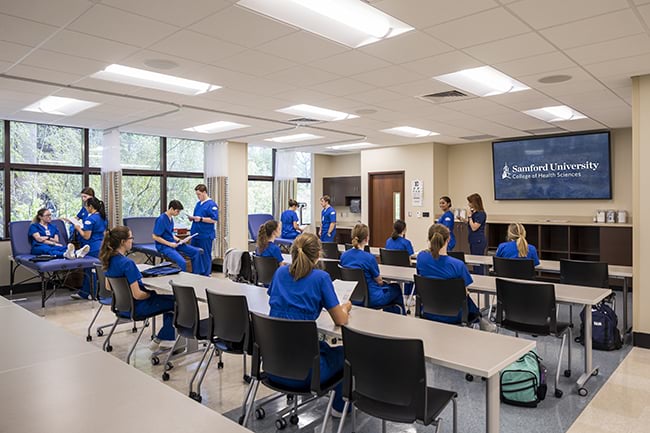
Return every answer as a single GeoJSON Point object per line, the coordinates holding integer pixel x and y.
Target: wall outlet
{"type": "Point", "coordinates": [410, 214]}
{"type": "Point", "coordinates": [418, 214]}
{"type": "Point", "coordinates": [426, 214]}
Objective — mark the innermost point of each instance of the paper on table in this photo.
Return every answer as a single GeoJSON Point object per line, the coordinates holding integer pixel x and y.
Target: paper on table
{"type": "Point", "coordinates": [344, 289]}
{"type": "Point", "coordinates": [187, 239]}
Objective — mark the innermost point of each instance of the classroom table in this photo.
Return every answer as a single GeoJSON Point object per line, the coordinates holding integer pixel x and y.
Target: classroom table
{"type": "Point", "coordinates": [441, 341]}
{"type": "Point", "coordinates": [564, 293]}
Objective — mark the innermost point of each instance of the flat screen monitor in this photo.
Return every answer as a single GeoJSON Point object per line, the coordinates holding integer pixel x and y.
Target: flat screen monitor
{"type": "Point", "coordinates": [559, 167]}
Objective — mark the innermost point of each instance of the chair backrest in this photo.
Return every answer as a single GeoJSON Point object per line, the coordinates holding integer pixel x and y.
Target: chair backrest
{"type": "Point", "coordinates": [265, 268]}
{"type": "Point", "coordinates": [141, 228]}
{"type": "Point", "coordinates": [102, 291]}
{"type": "Point", "coordinates": [287, 348]}
{"type": "Point", "coordinates": [442, 297]}
{"type": "Point", "coordinates": [331, 250]}
{"type": "Point", "coordinates": [230, 319]}
{"type": "Point", "coordinates": [19, 234]}
{"type": "Point", "coordinates": [331, 266]}
{"type": "Point", "coordinates": [255, 220]}
{"type": "Point", "coordinates": [460, 255]}
{"type": "Point", "coordinates": [63, 232]}
{"type": "Point", "coordinates": [122, 296]}
{"type": "Point", "coordinates": [186, 310]}
{"type": "Point", "coordinates": [583, 273]}
{"type": "Point", "coordinates": [524, 269]}
{"type": "Point", "coordinates": [370, 380]}
{"type": "Point", "coordinates": [526, 307]}
{"type": "Point", "coordinates": [350, 246]}
{"type": "Point", "coordinates": [394, 257]}
{"type": "Point", "coordinates": [360, 294]}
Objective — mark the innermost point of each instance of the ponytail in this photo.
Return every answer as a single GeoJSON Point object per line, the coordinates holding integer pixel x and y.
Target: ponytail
{"type": "Point", "coordinates": [112, 241]}
{"type": "Point", "coordinates": [360, 233]}
{"type": "Point", "coordinates": [438, 235]}
{"type": "Point", "coordinates": [264, 234]}
{"type": "Point", "coordinates": [98, 205]}
{"type": "Point", "coordinates": [517, 232]}
{"type": "Point", "coordinates": [398, 228]}
{"type": "Point", "coordinates": [305, 252]}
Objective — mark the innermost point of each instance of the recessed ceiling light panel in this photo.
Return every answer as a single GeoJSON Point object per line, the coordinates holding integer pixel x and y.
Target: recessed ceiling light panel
{"type": "Point", "coordinates": [558, 113]}
{"type": "Point", "coordinates": [60, 106]}
{"type": "Point", "coordinates": [409, 131]}
{"type": "Point", "coordinates": [482, 81]}
{"type": "Point", "coordinates": [216, 127]}
{"type": "Point", "coordinates": [352, 146]}
{"type": "Point", "coordinates": [293, 138]}
{"type": "Point", "coordinates": [318, 113]}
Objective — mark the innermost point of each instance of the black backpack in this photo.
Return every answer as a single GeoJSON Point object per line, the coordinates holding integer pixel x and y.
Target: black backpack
{"type": "Point", "coordinates": [604, 330]}
{"type": "Point", "coordinates": [246, 269]}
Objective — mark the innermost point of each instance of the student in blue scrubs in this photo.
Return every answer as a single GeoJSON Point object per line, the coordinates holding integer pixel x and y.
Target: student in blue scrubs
{"type": "Point", "coordinates": [476, 222]}
{"type": "Point", "coordinates": [299, 292]}
{"type": "Point", "coordinates": [206, 214]}
{"type": "Point", "coordinates": [380, 293]}
{"type": "Point", "coordinates": [44, 238]}
{"type": "Point", "coordinates": [265, 237]}
{"type": "Point", "coordinates": [169, 245]}
{"type": "Point", "coordinates": [447, 219]}
{"type": "Point", "coordinates": [435, 263]}
{"type": "Point", "coordinates": [516, 246]}
{"type": "Point", "coordinates": [289, 219]}
{"type": "Point", "coordinates": [328, 220]}
{"type": "Point", "coordinates": [116, 245]}
{"type": "Point", "coordinates": [85, 194]}
{"type": "Point", "coordinates": [91, 234]}
{"type": "Point", "coordinates": [397, 240]}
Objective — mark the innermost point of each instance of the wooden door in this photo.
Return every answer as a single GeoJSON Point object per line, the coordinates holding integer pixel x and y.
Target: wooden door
{"type": "Point", "coordinates": [385, 205]}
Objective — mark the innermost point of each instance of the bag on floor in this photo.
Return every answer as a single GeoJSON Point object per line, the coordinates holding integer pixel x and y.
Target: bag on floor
{"type": "Point", "coordinates": [604, 330]}
{"type": "Point", "coordinates": [523, 383]}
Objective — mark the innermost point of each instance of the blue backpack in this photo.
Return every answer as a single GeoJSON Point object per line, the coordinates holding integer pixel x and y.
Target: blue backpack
{"type": "Point", "coordinates": [604, 330]}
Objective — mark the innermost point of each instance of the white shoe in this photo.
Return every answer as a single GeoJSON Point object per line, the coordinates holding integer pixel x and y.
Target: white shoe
{"type": "Point", "coordinates": [158, 344]}
{"type": "Point", "coordinates": [485, 325]}
{"type": "Point", "coordinates": [69, 253]}
{"type": "Point", "coordinates": [81, 252]}
{"type": "Point", "coordinates": [154, 345]}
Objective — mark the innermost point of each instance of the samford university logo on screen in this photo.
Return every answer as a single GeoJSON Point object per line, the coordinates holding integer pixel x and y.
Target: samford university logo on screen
{"type": "Point", "coordinates": [547, 170]}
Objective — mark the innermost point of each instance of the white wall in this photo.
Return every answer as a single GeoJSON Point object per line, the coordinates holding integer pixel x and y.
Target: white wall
{"type": "Point", "coordinates": [238, 195]}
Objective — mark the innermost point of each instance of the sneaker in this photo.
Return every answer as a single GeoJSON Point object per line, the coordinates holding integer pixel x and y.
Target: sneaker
{"type": "Point", "coordinates": [79, 297]}
{"type": "Point", "coordinates": [69, 252]}
{"type": "Point", "coordinates": [158, 344]}
{"type": "Point", "coordinates": [81, 252]}
{"type": "Point", "coordinates": [154, 345]}
{"type": "Point", "coordinates": [487, 326]}
{"type": "Point", "coordinates": [336, 414]}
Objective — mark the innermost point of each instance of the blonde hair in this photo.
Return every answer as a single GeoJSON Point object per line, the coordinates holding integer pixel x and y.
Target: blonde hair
{"type": "Point", "coordinates": [305, 252]}
{"type": "Point", "coordinates": [438, 235]}
{"type": "Point", "coordinates": [360, 233]}
{"type": "Point", "coordinates": [517, 232]}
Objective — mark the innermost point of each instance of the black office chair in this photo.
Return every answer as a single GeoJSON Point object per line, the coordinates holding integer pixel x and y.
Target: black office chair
{"type": "Point", "coordinates": [331, 250]}
{"type": "Point", "coordinates": [360, 293]}
{"type": "Point", "coordinates": [522, 269]}
{"type": "Point", "coordinates": [288, 349]}
{"type": "Point", "coordinates": [350, 246]}
{"type": "Point", "coordinates": [457, 255]}
{"type": "Point", "coordinates": [331, 266]}
{"type": "Point", "coordinates": [584, 273]}
{"type": "Point", "coordinates": [531, 308]}
{"type": "Point", "coordinates": [104, 297]}
{"type": "Point", "coordinates": [371, 385]}
{"type": "Point", "coordinates": [394, 257]}
{"type": "Point", "coordinates": [265, 268]}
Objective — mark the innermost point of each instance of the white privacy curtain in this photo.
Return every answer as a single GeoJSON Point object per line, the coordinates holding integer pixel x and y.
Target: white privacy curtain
{"type": "Point", "coordinates": [112, 177]}
{"type": "Point", "coordinates": [285, 185]}
{"type": "Point", "coordinates": [216, 179]}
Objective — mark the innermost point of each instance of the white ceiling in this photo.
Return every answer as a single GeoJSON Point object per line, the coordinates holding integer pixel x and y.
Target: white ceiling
{"type": "Point", "coordinates": [264, 65]}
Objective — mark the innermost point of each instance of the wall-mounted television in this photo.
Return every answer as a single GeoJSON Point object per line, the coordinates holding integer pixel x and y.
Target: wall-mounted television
{"type": "Point", "coordinates": [559, 167]}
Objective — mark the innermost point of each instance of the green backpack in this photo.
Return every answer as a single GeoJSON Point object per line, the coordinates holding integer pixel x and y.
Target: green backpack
{"type": "Point", "coordinates": [523, 383]}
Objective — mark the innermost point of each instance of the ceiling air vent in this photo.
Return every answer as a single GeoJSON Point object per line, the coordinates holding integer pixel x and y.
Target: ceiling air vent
{"type": "Point", "coordinates": [481, 137]}
{"type": "Point", "coordinates": [446, 96]}
{"type": "Point", "coordinates": [304, 121]}
{"type": "Point", "coordinates": [542, 131]}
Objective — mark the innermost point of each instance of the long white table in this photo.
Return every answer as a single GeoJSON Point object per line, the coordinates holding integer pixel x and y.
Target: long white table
{"type": "Point", "coordinates": [447, 345]}
{"type": "Point", "coordinates": [52, 381]}
{"type": "Point", "coordinates": [564, 293]}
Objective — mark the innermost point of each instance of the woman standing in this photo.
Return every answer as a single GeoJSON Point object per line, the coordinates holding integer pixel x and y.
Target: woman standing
{"type": "Point", "coordinates": [476, 221]}
{"type": "Point", "coordinates": [206, 214]}
{"type": "Point", "coordinates": [91, 232]}
{"type": "Point", "coordinates": [328, 220]}
{"type": "Point", "coordinates": [289, 219]}
{"type": "Point", "coordinates": [447, 219]}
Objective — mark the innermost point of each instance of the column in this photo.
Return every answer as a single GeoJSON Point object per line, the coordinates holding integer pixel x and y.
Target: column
{"type": "Point", "coordinates": [112, 177]}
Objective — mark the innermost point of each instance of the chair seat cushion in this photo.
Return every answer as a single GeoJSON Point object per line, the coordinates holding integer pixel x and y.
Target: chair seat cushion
{"type": "Point", "coordinates": [56, 264]}
{"type": "Point", "coordinates": [147, 249]}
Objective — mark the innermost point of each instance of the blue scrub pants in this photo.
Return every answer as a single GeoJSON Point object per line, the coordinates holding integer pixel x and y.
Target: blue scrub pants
{"type": "Point", "coordinates": [452, 244]}
{"type": "Point", "coordinates": [159, 304]}
{"type": "Point", "coordinates": [325, 238]}
{"type": "Point", "coordinates": [89, 279]}
{"type": "Point", "coordinates": [331, 363]}
{"type": "Point", "coordinates": [174, 254]}
{"type": "Point", "coordinates": [205, 258]}
{"type": "Point", "coordinates": [385, 295]}
{"type": "Point", "coordinates": [51, 250]}
{"type": "Point", "coordinates": [477, 247]}
{"type": "Point", "coordinates": [473, 314]}
{"type": "Point", "coordinates": [291, 235]}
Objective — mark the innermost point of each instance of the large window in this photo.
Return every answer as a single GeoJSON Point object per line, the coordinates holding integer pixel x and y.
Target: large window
{"type": "Point", "coordinates": [139, 152]}
{"type": "Point", "coordinates": [260, 161]}
{"type": "Point", "coordinates": [31, 190]}
{"type": "Point", "coordinates": [140, 196]}
{"type": "Point", "coordinates": [260, 179]}
{"type": "Point", "coordinates": [260, 196]}
{"type": "Point", "coordinates": [95, 149]}
{"type": "Point", "coordinates": [33, 143]}
{"type": "Point", "coordinates": [184, 155]}
{"type": "Point", "coordinates": [2, 141]}
{"type": "Point", "coordinates": [2, 203]}
{"type": "Point", "coordinates": [182, 188]}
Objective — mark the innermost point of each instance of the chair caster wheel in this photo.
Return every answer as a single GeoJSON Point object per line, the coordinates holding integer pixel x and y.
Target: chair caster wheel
{"type": "Point", "coordinates": [334, 340]}
{"type": "Point", "coordinates": [100, 332]}
{"type": "Point", "coordinates": [155, 360]}
{"type": "Point", "coordinates": [89, 338]}
{"type": "Point", "coordinates": [134, 330]}
{"type": "Point", "coordinates": [595, 373]}
{"type": "Point", "coordinates": [582, 392]}
{"type": "Point", "coordinates": [240, 420]}
{"type": "Point", "coordinates": [408, 312]}
{"type": "Point", "coordinates": [469, 377]}
{"type": "Point", "coordinates": [567, 373]}
{"type": "Point", "coordinates": [165, 377]}
{"type": "Point", "coordinates": [290, 398]}
{"type": "Point", "coordinates": [293, 419]}
{"type": "Point", "coordinates": [247, 378]}
{"type": "Point", "coordinates": [558, 393]}
{"type": "Point", "coordinates": [260, 413]}
{"type": "Point", "coordinates": [197, 397]}
{"type": "Point", "coordinates": [280, 423]}
{"type": "Point", "coordinates": [169, 366]}
{"type": "Point", "coordinates": [220, 365]}
{"type": "Point", "coordinates": [109, 348]}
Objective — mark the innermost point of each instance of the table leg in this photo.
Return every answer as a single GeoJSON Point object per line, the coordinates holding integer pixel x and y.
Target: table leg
{"type": "Point", "coordinates": [625, 295]}
{"type": "Point", "coordinates": [590, 370]}
{"type": "Point", "coordinates": [492, 404]}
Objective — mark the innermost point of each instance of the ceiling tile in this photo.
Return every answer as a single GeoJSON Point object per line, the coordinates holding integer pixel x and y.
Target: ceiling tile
{"type": "Point", "coordinates": [120, 26]}
{"type": "Point", "coordinates": [479, 107]}
{"type": "Point", "coordinates": [243, 27]}
{"type": "Point", "coordinates": [10, 52]}
{"type": "Point", "coordinates": [486, 26]}
{"type": "Point", "coordinates": [171, 11]}
{"type": "Point", "coordinates": [48, 75]}
{"type": "Point", "coordinates": [23, 32]}
{"type": "Point", "coordinates": [389, 76]}
{"type": "Point", "coordinates": [442, 64]}
{"type": "Point", "coordinates": [302, 76]}
{"type": "Point", "coordinates": [627, 67]}
{"type": "Point", "coordinates": [425, 13]}
{"type": "Point", "coordinates": [55, 13]}
{"type": "Point", "coordinates": [580, 125]}
{"type": "Point", "coordinates": [407, 47]}
{"type": "Point", "coordinates": [350, 63]}
{"type": "Point", "coordinates": [527, 100]}
{"type": "Point", "coordinates": [542, 63]}
{"type": "Point", "coordinates": [342, 87]}
{"type": "Point", "coordinates": [302, 47]}
{"type": "Point", "coordinates": [184, 68]}
{"type": "Point", "coordinates": [553, 12]}
{"type": "Point", "coordinates": [517, 120]}
{"type": "Point", "coordinates": [504, 50]}
{"type": "Point", "coordinates": [597, 29]}
{"type": "Point", "coordinates": [419, 87]}
{"type": "Point", "coordinates": [374, 96]}
{"type": "Point", "coordinates": [645, 13]}
{"type": "Point", "coordinates": [91, 47]}
{"type": "Point", "coordinates": [611, 50]}
{"type": "Point", "coordinates": [62, 62]}
{"type": "Point", "coordinates": [256, 63]}
{"type": "Point", "coordinates": [302, 96]}
{"type": "Point", "coordinates": [197, 47]}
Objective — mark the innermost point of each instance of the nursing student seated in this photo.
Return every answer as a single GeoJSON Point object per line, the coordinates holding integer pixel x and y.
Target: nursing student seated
{"type": "Point", "coordinates": [289, 220]}
{"type": "Point", "coordinates": [265, 237]}
{"type": "Point", "coordinates": [516, 246]}
{"type": "Point", "coordinates": [46, 239]}
{"type": "Point", "coordinates": [380, 294]}
{"type": "Point", "coordinates": [435, 263]}
{"type": "Point", "coordinates": [171, 246]}
{"type": "Point", "coordinates": [398, 241]}
{"type": "Point", "coordinates": [299, 292]}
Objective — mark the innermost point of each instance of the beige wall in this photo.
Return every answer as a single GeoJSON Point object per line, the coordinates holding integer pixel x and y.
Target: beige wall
{"type": "Point", "coordinates": [470, 170]}
{"type": "Point", "coordinates": [332, 166]}
{"type": "Point", "coordinates": [440, 173]}
{"type": "Point", "coordinates": [238, 195]}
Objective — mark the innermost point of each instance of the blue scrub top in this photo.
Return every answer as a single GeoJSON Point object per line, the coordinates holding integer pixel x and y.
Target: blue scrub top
{"type": "Point", "coordinates": [509, 250]}
{"type": "Point", "coordinates": [164, 227]}
{"type": "Point", "coordinates": [287, 219]}
{"type": "Point", "coordinates": [82, 214]}
{"type": "Point", "coordinates": [207, 209]}
{"type": "Point", "coordinates": [399, 244]}
{"type": "Point", "coordinates": [301, 299]}
{"type": "Point", "coordinates": [359, 259]}
{"type": "Point", "coordinates": [47, 232]}
{"type": "Point", "coordinates": [271, 250]}
{"type": "Point", "coordinates": [447, 220]}
{"type": "Point", "coordinates": [95, 224]}
{"type": "Point", "coordinates": [443, 268]}
{"type": "Point", "coordinates": [478, 217]}
{"type": "Point", "coordinates": [327, 217]}
{"type": "Point", "coordinates": [121, 266]}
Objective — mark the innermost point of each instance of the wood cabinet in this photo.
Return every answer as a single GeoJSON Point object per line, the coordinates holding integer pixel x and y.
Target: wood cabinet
{"type": "Point", "coordinates": [342, 189]}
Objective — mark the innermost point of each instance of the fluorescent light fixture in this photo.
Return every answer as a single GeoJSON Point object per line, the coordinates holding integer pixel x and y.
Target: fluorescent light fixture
{"type": "Point", "coordinates": [482, 81]}
{"type": "Point", "coordinates": [409, 131]}
{"type": "Point", "coordinates": [317, 113]}
{"type": "Point", "coordinates": [216, 127]}
{"type": "Point", "coordinates": [153, 80]}
{"type": "Point", "coordinates": [351, 146]}
{"type": "Point", "coordinates": [556, 113]}
{"type": "Point", "coordinates": [293, 138]}
{"type": "Point", "coordinates": [60, 106]}
{"type": "Point", "coordinates": [350, 22]}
